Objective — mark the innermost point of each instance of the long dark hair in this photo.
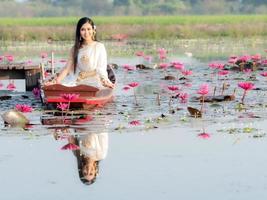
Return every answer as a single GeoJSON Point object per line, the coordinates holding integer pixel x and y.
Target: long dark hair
{"type": "Point", "coordinates": [79, 40]}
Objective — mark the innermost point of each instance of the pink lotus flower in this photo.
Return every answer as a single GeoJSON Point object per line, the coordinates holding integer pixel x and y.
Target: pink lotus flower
{"type": "Point", "coordinates": [23, 108]}
{"type": "Point", "coordinates": [70, 97]}
{"type": "Point", "coordinates": [36, 92]}
{"type": "Point", "coordinates": [256, 57]}
{"type": "Point", "coordinates": [179, 66]}
{"type": "Point", "coordinates": [216, 65]}
{"type": "Point", "coordinates": [10, 58]}
{"type": "Point", "coordinates": [203, 90]}
{"type": "Point", "coordinates": [263, 74]}
{"type": "Point", "coordinates": [183, 97]}
{"type": "Point", "coordinates": [135, 123]}
{"type": "Point", "coordinates": [232, 59]}
{"type": "Point", "coordinates": [133, 84]}
{"type": "Point", "coordinates": [264, 62]}
{"type": "Point", "coordinates": [173, 88]}
{"type": "Point", "coordinates": [70, 146]}
{"type": "Point", "coordinates": [139, 53]}
{"type": "Point", "coordinates": [223, 72]}
{"type": "Point", "coordinates": [204, 135]}
{"type": "Point", "coordinates": [162, 51]}
{"type": "Point", "coordinates": [244, 58]}
{"type": "Point", "coordinates": [62, 106]}
{"type": "Point", "coordinates": [11, 86]}
{"type": "Point", "coordinates": [246, 86]}
{"type": "Point", "coordinates": [129, 67]}
{"type": "Point", "coordinates": [148, 58]}
{"type": "Point", "coordinates": [163, 65]}
{"type": "Point", "coordinates": [187, 72]}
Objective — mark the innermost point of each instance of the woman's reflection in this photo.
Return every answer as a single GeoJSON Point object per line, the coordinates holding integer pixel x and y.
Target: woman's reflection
{"type": "Point", "coordinates": [92, 149]}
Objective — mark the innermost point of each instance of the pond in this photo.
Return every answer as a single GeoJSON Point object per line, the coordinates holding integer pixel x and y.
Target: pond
{"type": "Point", "coordinates": [150, 147]}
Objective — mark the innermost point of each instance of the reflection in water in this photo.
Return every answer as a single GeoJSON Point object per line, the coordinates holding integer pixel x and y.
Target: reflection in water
{"type": "Point", "coordinates": [88, 141]}
{"type": "Point", "coordinates": [92, 149]}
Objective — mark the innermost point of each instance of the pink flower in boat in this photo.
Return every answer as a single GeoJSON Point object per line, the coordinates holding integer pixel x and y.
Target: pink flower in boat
{"type": "Point", "coordinates": [36, 92]}
{"type": "Point", "coordinates": [70, 97]}
{"type": "Point", "coordinates": [163, 65]}
{"type": "Point", "coordinates": [204, 135]}
{"type": "Point", "coordinates": [70, 146]}
{"type": "Point", "coordinates": [126, 88]}
{"type": "Point", "coordinates": [204, 89]}
{"type": "Point", "coordinates": [135, 123]}
{"type": "Point", "coordinates": [264, 74]}
{"type": "Point", "coordinates": [62, 106]}
{"type": "Point", "coordinates": [23, 108]}
{"type": "Point", "coordinates": [133, 84]}
{"type": "Point", "coordinates": [246, 85]}
{"type": "Point", "coordinates": [183, 97]}
{"type": "Point", "coordinates": [187, 72]}
{"type": "Point", "coordinates": [173, 88]}
{"type": "Point", "coordinates": [11, 86]}
{"type": "Point", "coordinates": [44, 55]}
{"type": "Point", "coordinates": [223, 72]}
{"type": "Point", "coordinates": [139, 53]}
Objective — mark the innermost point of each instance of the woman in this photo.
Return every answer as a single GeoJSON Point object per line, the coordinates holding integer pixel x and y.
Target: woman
{"type": "Point", "coordinates": [92, 149]}
{"type": "Point", "coordinates": [87, 62]}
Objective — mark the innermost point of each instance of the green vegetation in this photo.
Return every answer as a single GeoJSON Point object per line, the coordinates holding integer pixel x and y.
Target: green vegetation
{"type": "Point", "coordinates": [149, 27]}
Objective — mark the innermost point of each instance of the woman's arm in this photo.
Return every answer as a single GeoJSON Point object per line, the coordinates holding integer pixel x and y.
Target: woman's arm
{"type": "Point", "coordinates": [67, 69]}
{"type": "Point", "coordinates": [102, 67]}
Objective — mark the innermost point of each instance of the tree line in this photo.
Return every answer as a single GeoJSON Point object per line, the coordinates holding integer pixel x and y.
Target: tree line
{"type": "Point", "coordinates": [46, 8]}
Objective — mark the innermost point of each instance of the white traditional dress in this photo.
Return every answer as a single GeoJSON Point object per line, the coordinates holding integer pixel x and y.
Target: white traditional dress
{"type": "Point", "coordinates": [92, 59]}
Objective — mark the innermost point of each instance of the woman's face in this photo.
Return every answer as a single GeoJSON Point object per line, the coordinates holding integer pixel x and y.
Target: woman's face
{"type": "Point", "coordinates": [89, 170]}
{"type": "Point", "coordinates": [86, 32]}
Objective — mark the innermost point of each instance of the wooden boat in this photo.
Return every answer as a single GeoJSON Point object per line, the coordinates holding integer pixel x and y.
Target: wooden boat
{"type": "Point", "coordinates": [89, 96]}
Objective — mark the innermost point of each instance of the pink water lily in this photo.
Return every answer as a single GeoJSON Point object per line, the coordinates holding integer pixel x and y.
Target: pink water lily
{"type": "Point", "coordinates": [126, 88]}
{"type": "Point", "coordinates": [70, 146]}
{"type": "Point", "coordinates": [11, 86]}
{"type": "Point", "coordinates": [163, 65]}
{"type": "Point", "coordinates": [183, 97]}
{"type": "Point", "coordinates": [23, 108]}
{"type": "Point", "coordinates": [244, 58]}
{"type": "Point", "coordinates": [187, 72]}
{"type": "Point", "coordinates": [263, 74]}
{"type": "Point", "coordinates": [128, 67]}
{"type": "Point", "coordinates": [62, 106]}
{"type": "Point", "coordinates": [256, 57]}
{"type": "Point", "coordinates": [204, 135]}
{"type": "Point", "coordinates": [70, 97]}
{"type": "Point", "coordinates": [223, 72]}
{"type": "Point", "coordinates": [246, 86]}
{"type": "Point", "coordinates": [173, 88]}
{"type": "Point", "coordinates": [216, 65]}
{"type": "Point", "coordinates": [43, 55]}
{"type": "Point", "coordinates": [135, 123]}
{"type": "Point", "coordinates": [139, 53]}
{"type": "Point", "coordinates": [133, 84]}
{"type": "Point", "coordinates": [264, 62]}
{"type": "Point", "coordinates": [247, 71]}
{"type": "Point", "coordinates": [148, 58]}
{"type": "Point", "coordinates": [179, 66]}
{"type": "Point", "coordinates": [10, 58]}
{"type": "Point", "coordinates": [203, 90]}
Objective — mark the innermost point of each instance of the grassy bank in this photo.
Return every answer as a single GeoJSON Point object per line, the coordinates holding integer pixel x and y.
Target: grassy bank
{"type": "Point", "coordinates": [150, 27]}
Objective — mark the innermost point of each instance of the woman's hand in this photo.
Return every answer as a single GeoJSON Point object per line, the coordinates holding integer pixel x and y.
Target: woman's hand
{"type": "Point", "coordinates": [107, 83]}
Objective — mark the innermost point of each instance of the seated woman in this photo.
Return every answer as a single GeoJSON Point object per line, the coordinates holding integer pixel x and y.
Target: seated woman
{"type": "Point", "coordinates": [87, 62]}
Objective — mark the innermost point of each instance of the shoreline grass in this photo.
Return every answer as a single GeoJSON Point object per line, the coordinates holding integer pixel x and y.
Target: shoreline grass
{"type": "Point", "coordinates": [148, 27]}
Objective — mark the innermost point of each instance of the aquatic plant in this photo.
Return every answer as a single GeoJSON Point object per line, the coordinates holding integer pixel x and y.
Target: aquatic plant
{"type": "Point", "coordinates": [246, 86]}
{"type": "Point", "coordinates": [204, 135]}
{"type": "Point", "coordinates": [203, 90]}
{"type": "Point", "coordinates": [134, 85]}
{"type": "Point", "coordinates": [23, 108]}
{"type": "Point", "coordinates": [70, 146]}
